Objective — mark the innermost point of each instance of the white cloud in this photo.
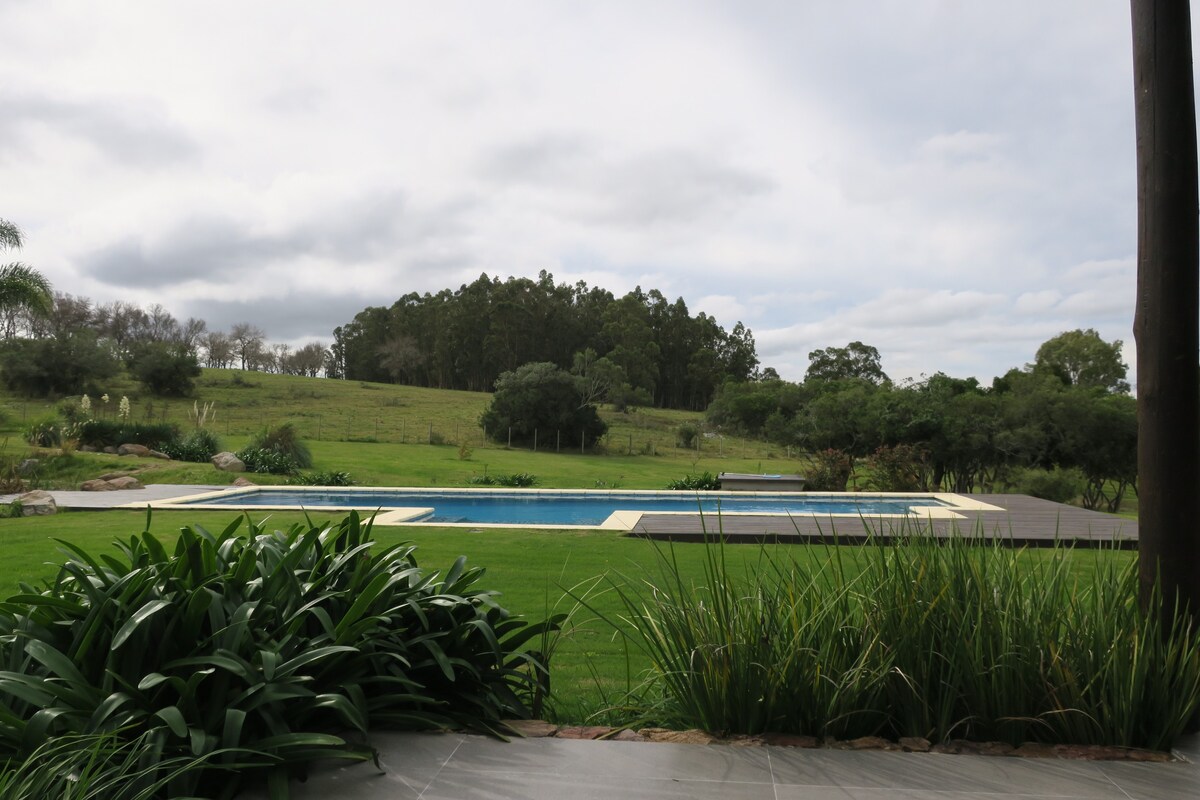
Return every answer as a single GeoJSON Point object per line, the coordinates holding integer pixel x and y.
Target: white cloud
{"type": "Point", "coordinates": [950, 182]}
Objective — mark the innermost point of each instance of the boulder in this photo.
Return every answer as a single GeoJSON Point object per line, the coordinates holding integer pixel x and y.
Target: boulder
{"type": "Point", "coordinates": [133, 450]}
{"type": "Point", "coordinates": [86, 448]}
{"type": "Point", "coordinates": [37, 503]}
{"type": "Point", "coordinates": [242, 481]}
{"type": "Point", "coordinates": [110, 450]}
{"type": "Point", "coordinates": [228, 462]}
{"type": "Point", "coordinates": [156, 454]}
{"type": "Point", "coordinates": [108, 476]}
{"type": "Point", "coordinates": [96, 485]}
{"type": "Point", "coordinates": [126, 482]}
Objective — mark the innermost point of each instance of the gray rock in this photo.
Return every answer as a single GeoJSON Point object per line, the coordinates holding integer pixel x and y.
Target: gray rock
{"type": "Point", "coordinates": [133, 450]}
{"type": "Point", "coordinates": [156, 454]}
{"type": "Point", "coordinates": [110, 449]}
{"type": "Point", "coordinates": [97, 485]}
{"type": "Point", "coordinates": [228, 462]}
{"type": "Point", "coordinates": [127, 482]}
{"type": "Point", "coordinates": [37, 503]}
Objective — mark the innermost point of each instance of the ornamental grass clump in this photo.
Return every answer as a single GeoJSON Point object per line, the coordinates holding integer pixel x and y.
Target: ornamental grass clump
{"type": "Point", "coordinates": [915, 636]}
{"type": "Point", "coordinates": [262, 649]}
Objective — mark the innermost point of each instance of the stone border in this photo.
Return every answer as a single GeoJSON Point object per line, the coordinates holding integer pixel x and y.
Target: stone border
{"type": "Point", "coordinates": [539, 729]}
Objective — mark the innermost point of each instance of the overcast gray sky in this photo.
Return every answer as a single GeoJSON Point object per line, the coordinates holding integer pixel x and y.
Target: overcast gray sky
{"type": "Point", "coordinates": [952, 182]}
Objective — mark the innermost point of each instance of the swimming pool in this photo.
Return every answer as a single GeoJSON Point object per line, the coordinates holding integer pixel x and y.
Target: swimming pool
{"type": "Point", "coordinates": [551, 508]}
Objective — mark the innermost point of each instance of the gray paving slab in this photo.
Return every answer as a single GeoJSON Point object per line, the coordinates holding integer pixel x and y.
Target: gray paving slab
{"type": "Point", "coordinates": [464, 767]}
{"type": "Point", "coordinates": [103, 500]}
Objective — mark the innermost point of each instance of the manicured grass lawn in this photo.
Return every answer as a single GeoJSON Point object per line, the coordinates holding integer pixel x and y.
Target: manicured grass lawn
{"type": "Point", "coordinates": [531, 569]}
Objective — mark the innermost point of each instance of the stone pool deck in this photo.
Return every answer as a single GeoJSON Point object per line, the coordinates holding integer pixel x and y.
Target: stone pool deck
{"type": "Point", "coordinates": [1024, 520]}
{"type": "Point", "coordinates": [462, 767]}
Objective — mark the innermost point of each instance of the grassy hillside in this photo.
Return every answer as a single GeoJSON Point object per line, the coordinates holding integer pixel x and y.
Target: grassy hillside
{"type": "Point", "coordinates": [382, 434]}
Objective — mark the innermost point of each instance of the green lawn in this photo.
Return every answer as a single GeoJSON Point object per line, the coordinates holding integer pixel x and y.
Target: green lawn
{"type": "Point", "coordinates": [532, 569]}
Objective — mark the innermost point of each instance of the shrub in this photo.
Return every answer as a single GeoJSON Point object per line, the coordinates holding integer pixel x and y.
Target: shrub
{"type": "Point", "coordinates": [198, 446]}
{"type": "Point", "coordinates": [516, 479]}
{"type": "Point", "coordinates": [267, 461]}
{"type": "Point", "coordinates": [942, 638]}
{"type": "Point", "coordinates": [284, 440]}
{"type": "Point", "coordinates": [45, 432]}
{"type": "Point", "coordinates": [686, 434]}
{"type": "Point", "coordinates": [165, 369]}
{"type": "Point", "coordinates": [263, 642]}
{"type": "Point", "coordinates": [321, 479]}
{"type": "Point", "coordinates": [829, 471]}
{"type": "Point", "coordinates": [898, 469]}
{"type": "Point", "coordinates": [704, 482]}
{"type": "Point", "coordinates": [1059, 485]}
{"type": "Point", "coordinates": [110, 433]}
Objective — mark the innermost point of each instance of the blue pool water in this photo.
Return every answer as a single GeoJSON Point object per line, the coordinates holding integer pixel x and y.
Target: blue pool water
{"type": "Point", "coordinates": [582, 508]}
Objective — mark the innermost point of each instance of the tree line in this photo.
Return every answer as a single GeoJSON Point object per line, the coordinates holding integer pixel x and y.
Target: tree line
{"type": "Point", "coordinates": [1068, 414]}
{"type": "Point", "coordinates": [638, 349]}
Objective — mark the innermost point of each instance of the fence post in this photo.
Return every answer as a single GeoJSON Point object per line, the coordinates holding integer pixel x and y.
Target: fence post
{"type": "Point", "coordinates": [535, 430]}
{"type": "Point", "coordinates": [629, 449]}
{"type": "Point", "coordinates": [318, 428]}
{"type": "Point", "coordinates": [430, 433]}
{"type": "Point", "coordinates": [510, 436]}
{"type": "Point", "coordinates": [581, 440]}
{"type": "Point", "coordinates": [558, 441]}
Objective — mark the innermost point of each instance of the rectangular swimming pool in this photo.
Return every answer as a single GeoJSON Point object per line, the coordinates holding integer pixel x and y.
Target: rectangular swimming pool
{"type": "Point", "coordinates": [617, 510]}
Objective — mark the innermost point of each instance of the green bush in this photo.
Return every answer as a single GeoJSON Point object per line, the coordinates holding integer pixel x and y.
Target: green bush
{"type": "Point", "coordinates": [254, 648]}
{"type": "Point", "coordinates": [321, 479]}
{"type": "Point", "coordinates": [267, 461]}
{"type": "Point", "coordinates": [1059, 485]}
{"type": "Point", "coordinates": [165, 369]}
{"type": "Point", "coordinates": [828, 472]}
{"type": "Point", "coordinates": [704, 482]}
{"type": "Point", "coordinates": [516, 479]}
{"type": "Point", "coordinates": [901, 468]}
{"type": "Point", "coordinates": [540, 397]}
{"type": "Point", "coordinates": [916, 636]}
{"type": "Point", "coordinates": [285, 441]}
{"type": "Point", "coordinates": [198, 446]}
{"type": "Point", "coordinates": [45, 431]}
{"type": "Point", "coordinates": [686, 434]}
{"type": "Point", "coordinates": [111, 433]}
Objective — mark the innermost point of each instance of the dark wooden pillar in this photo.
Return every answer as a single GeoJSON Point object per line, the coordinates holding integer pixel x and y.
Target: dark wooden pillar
{"type": "Point", "coordinates": [1168, 309]}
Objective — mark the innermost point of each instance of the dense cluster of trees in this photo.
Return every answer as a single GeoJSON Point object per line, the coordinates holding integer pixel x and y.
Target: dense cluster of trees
{"type": "Point", "coordinates": [1067, 410]}
{"type": "Point", "coordinates": [68, 345]}
{"type": "Point", "coordinates": [636, 348]}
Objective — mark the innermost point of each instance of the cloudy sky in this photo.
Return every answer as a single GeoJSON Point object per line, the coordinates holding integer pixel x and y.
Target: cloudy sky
{"type": "Point", "coordinates": [950, 181]}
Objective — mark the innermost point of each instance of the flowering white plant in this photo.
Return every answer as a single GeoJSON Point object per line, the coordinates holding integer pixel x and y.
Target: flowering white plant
{"type": "Point", "coordinates": [123, 408]}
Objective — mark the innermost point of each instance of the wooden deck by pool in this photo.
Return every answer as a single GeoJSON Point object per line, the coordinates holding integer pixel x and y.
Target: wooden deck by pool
{"type": "Point", "coordinates": [1024, 521]}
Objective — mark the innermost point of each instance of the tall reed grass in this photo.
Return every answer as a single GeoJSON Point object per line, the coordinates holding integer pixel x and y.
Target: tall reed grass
{"type": "Point", "coordinates": [942, 638]}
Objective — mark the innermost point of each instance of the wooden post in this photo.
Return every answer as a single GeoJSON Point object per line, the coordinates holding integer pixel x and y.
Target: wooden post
{"type": "Point", "coordinates": [1165, 321]}
{"type": "Point", "coordinates": [558, 441]}
{"type": "Point", "coordinates": [535, 440]}
{"type": "Point", "coordinates": [429, 439]}
{"type": "Point", "coordinates": [510, 436]}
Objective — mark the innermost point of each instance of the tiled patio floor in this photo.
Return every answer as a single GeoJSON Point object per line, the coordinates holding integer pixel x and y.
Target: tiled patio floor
{"type": "Point", "coordinates": [463, 767]}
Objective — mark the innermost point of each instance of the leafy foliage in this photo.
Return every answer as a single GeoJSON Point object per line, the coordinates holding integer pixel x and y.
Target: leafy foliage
{"type": "Point", "coordinates": [1059, 485]}
{"type": "Point", "coordinates": [466, 338]}
{"type": "Point", "coordinates": [46, 431]}
{"type": "Point", "coordinates": [263, 642]}
{"type": "Point", "coordinates": [198, 446]}
{"type": "Point", "coordinates": [1082, 358]}
{"type": "Point", "coordinates": [165, 369]}
{"type": "Point", "coordinates": [829, 471]}
{"type": "Point", "coordinates": [704, 482]}
{"type": "Point", "coordinates": [516, 479]}
{"type": "Point", "coordinates": [540, 398]}
{"type": "Point", "coordinates": [856, 361]}
{"type": "Point", "coordinates": [918, 636]}
{"type": "Point", "coordinates": [267, 461]}
{"type": "Point", "coordinates": [70, 363]}
{"type": "Point", "coordinates": [327, 478]}
{"type": "Point", "coordinates": [284, 440]}
{"type": "Point", "coordinates": [112, 433]}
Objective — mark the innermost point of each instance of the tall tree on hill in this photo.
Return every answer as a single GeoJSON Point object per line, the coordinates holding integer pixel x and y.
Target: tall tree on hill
{"type": "Point", "coordinates": [22, 288]}
{"type": "Point", "coordinates": [1082, 358]}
